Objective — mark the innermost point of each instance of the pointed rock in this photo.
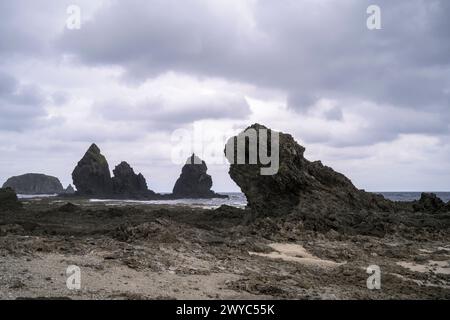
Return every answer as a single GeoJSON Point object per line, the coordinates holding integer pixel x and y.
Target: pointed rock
{"type": "Point", "coordinates": [91, 176]}
{"type": "Point", "coordinates": [194, 182]}
{"type": "Point", "coordinates": [69, 190]}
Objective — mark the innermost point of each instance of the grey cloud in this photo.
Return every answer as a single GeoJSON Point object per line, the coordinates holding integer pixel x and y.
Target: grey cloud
{"type": "Point", "coordinates": [20, 105]}
{"type": "Point", "coordinates": [164, 113]}
{"type": "Point", "coordinates": [308, 49]}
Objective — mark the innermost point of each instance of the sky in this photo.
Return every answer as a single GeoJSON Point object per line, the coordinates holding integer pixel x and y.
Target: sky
{"type": "Point", "coordinates": [149, 81]}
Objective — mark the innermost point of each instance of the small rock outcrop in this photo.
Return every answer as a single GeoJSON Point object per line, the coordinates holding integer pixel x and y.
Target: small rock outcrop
{"type": "Point", "coordinates": [69, 190]}
{"type": "Point", "coordinates": [298, 184]}
{"type": "Point", "coordinates": [194, 182]}
{"type": "Point", "coordinates": [8, 199]}
{"type": "Point", "coordinates": [128, 184]}
{"type": "Point", "coordinates": [34, 183]}
{"type": "Point", "coordinates": [429, 202]}
{"type": "Point", "coordinates": [91, 176]}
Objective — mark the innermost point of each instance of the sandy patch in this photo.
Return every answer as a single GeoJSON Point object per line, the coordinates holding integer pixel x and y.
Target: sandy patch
{"type": "Point", "coordinates": [295, 253]}
{"type": "Point", "coordinates": [441, 267]}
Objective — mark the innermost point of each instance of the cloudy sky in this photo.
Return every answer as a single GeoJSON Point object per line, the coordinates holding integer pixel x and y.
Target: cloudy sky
{"type": "Point", "coordinates": [373, 104]}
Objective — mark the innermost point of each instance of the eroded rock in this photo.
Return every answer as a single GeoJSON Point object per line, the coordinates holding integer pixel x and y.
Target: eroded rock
{"type": "Point", "coordinates": [299, 184]}
{"type": "Point", "coordinates": [126, 183]}
{"type": "Point", "coordinates": [194, 182]}
{"type": "Point", "coordinates": [34, 183]}
{"type": "Point", "coordinates": [8, 199]}
{"type": "Point", "coordinates": [429, 202]}
{"type": "Point", "coordinates": [92, 176]}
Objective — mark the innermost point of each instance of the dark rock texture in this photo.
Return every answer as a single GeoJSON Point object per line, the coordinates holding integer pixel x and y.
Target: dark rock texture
{"type": "Point", "coordinates": [194, 182]}
{"type": "Point", "coordinates": [8, 199]}
{"type": "Point", "coordinates": [429, 202]}
{"type": "Point", "coordinates": [128, 184]}
{"type": "Point", "coordinates": [34, 183]}
{"type": "Point", "coordinates": [91, 176]}
{"type": "Point", "coordinates": [299, 184]}
{"type": "Point", "coordinates": [69, 190]}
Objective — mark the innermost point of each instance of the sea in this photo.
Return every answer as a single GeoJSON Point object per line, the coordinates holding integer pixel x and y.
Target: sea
{"type": "Point", "coordinates": [236, 199]}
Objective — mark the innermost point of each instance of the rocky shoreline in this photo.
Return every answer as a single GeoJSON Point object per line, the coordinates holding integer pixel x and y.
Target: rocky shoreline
{"type": "Point", "coordinates": [307, 233]}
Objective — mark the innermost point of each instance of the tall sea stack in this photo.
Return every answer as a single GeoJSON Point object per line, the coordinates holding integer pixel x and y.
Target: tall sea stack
{"type": "Point", "coordinates": [91, 176]}
{"type": "Point", "coordinates": [128, 184]}
{"type": "Point", "coordinates": [194, 182]}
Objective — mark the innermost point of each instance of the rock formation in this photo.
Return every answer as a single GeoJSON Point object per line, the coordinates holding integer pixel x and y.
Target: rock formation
{"type": "Point", "coordinates": [34, 183]}
{"type": "Point", "coordinates": [69, 190]}
{"type": "Point", "coordinates": [194, 182]}
{"type": "Point", "coordinates": [8, 199]}
{"type": "Point", "coordinates": [429, 202]}
{"type": "Point", "coordinates": [91, 176]}
{"type": "Point", "coordinates": [299, 184]}
{"type": "Point", "coordinates": [128, 184]}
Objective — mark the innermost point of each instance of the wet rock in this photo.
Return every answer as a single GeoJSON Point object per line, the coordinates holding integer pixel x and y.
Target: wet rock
{"type": "Point", "coordinates": [91, 176]}
{"type": "Point", "coordinates": [429, 202]}
{"type": "Point", "coordinates": [299, 184]}
{"type": "Point", "coordinates": [194, 182]}
{"type": "Point", "coordinates": [8, 199]}
{"type": "Point", "coordinates": [34, 183]}
{"type": "Point", "coordinates": [128, 184]}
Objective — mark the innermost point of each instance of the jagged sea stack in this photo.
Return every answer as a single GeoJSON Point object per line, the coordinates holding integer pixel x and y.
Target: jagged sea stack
{"type": "Point", "coordinates": [128, 184]}
{"type": "Point", "coordinates": [34, 183]}
{"type": "Point", "coordinates": [194, 182]}
{"type": "Point", "coordinates": [91, 176]}
{"type": "Point", "coordinates": [299, 184]}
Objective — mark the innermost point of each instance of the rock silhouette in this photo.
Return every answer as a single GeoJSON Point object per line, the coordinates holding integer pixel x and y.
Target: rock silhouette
{"type": "Point", "coordinates": [91, 176]}
{"type": "Point", "coordinates": [194, 182]}
{"type": "Point", "coordinates": [128, 184]}
{"type": "Point", "coordinates": [69, 190]}
{"type": "Point", "coordinates": [8, 199]}
{"type": "Point", "coordinates": [34, 183]}
{"type": "Point", "coordinates": [299, 184]}
{"type": "Point", "coordinates": [429, 202]}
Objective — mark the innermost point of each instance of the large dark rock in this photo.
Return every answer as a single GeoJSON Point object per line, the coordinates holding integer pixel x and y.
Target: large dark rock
{"type": "Point", "coordinates": [298, 185]}
{"type": "Point", "coordinates": [91, 176]}
{"type": "Point", "coordinates": [429, 202]}
{"type": "Point", "coordinates": [194, 182]}
{"type": "Point", "coordinates": [8, 199]}
{"type": "Point", "coordinates": [34, 183]}
{"type": "Point", "coordinates": [128, 184]}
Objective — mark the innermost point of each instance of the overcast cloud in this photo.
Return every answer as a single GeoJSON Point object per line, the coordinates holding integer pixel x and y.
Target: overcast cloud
{"type": "Point", "coordinates": [373, 104]}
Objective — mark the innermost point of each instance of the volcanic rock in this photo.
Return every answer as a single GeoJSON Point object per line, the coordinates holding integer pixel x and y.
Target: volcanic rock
{"type": "Point", "coordinates": [194, 182]}
{"type": "Point", "coordinates": [69, 190]}
{"type": "Point", "coordinates": [429, 202]}
{"type": "Point", "coordinates": [298, 184]}
{"type": "Point", "coordinates": [8, 199]}
{"type": "Point", "coordinates": [91, 176]}
{"type": "Point", "coordinates": [34, 183]}
{"type": "Point", "coordinates": [128, 184]}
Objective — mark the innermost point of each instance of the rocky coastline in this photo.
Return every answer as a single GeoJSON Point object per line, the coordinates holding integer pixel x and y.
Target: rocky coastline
{"type": "Point", "coordinates": [307, 233]}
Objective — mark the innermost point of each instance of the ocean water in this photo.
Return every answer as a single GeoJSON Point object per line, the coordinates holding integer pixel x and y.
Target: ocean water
{"type": "Point", "coordinates": [410, 196]}
{"type": "Point", "coordinates": [236, 199]}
